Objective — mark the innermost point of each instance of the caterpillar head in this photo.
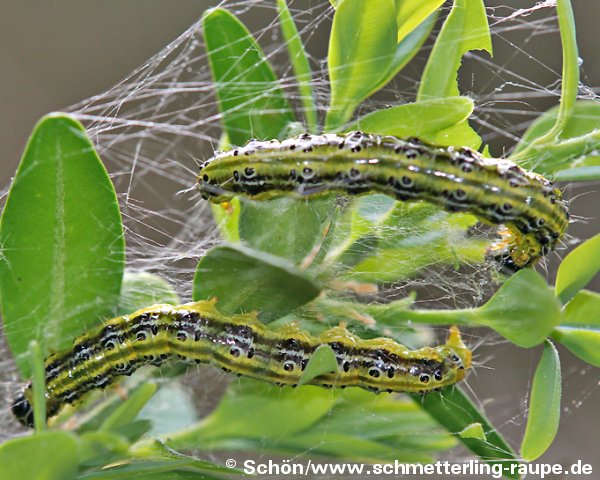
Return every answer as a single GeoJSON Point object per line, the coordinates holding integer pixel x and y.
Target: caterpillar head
{"type": "Point", "coordinates": [209, 190]}
{"type": "Point", "coordinates": [22, 410]}
{"type": "Point", "coordinates": [459, 355]}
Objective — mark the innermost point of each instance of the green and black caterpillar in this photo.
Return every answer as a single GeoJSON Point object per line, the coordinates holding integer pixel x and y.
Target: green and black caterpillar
{"type": "Point", "coordinates": [531, 214]}
{"type": "Point", "coordinates": [198, 332]}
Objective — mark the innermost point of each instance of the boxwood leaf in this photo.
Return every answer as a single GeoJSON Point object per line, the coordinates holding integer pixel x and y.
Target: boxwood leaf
{"type": "Point", "coordinates": [301, 225]}
{"type": "Point", "coordinates": [288, 411]}
{"type": "Point", "coordinates": [523, 310]}
{"type": "Point", "coordinates": [46, 455]}
{"type": "Point", "coordinates": [247, 280]}
{"type": "Point", "coordinates": [465, 29]}
{"type": "Point", "coordinates": [584, 119]}
{"type": "Point", "coordinates": [579, 174]}
{"type": "Point", "coordinates": [422, 119]}
{"type": "Point", "coordinates": [475, 430]}
{"type": "Point", "coordinates": [408, 44]}
{"type": "Point", "coordinates": [454, 410]}
{"type": "Point", "coordinates": [361, 49]}
{"type": "Point", "coordinates": [142, 289]}
{"type": "Point", "coordinates": [128, 410]}
{"type": "Point", "coordinates": [250, 97]}
{"type": "Point", "coordinates": [544, 406]}
{"type": "Point", "coordinates": [580, 330]}
{"type": "Point", "coordinates": [575, 149]}
{"type": "Point", "coordinates": [582, 342]}
{"type": "Point", "coordinates": [577, 269]}
{"type": "Point", "coordinates": [321, 362]}
{"type": "Point", "coordinates": [62, 241]}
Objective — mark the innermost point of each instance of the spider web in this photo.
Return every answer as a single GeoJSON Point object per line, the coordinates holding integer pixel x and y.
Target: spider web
{"type": "Point", "coordinates": [152, 128]}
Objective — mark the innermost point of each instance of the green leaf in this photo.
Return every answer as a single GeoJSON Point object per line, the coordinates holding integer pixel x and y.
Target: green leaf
{"type": "Point", "coordinates": [246, 280]}
{"type": "Point", "coordinates": [584, 119]}
{"type": "Point", "coordinates": [373, 428]}
{"type": "Point", "coordinates": [350, 424]}
{"type": "Point", "coordinates": [544, 406]}
{"type": "Point", "coordinates": [533, 150]}
{"type": "Point", "coordinates": [304, 231]}
{"type": "Point", "coordinates": [361, 50]}
{"type": "Point", "coordinates": [134, 430]}
{"type": "Point", "coordinates": [288, 410]}
{"type": "Point", "coordinates": [62, 241]}
{"type": "Point", "coordinates": [43, 456]}
{"type": "Point", "coordinates": [129, 409]}
{"type": "Point", "coordinates": [475, 430]}
{"type": "Point", "coordinates": [568, 153]}
{"type": "Point", "coordinates": [141, 289]}
{"type": "Point", "coordinates": [411, 14]}
{"type": "Point", "coordinates": [384, 240]}
{"type": "Point", "coordinates": [100, 448]}
{"type": "Point", "coordinates": [250, 97]}
{"type": "Point", "coordinates": [551, 158]}
{"type": "Point", "coordinates": [227, 218]}
{"type": "Point", "coordinates": [583, 310]}
{"type": "Point", "coordinates": [570, 67]}
{"type": "Point", "coordinates": [452, 408]}
{"type": "Point", "coordinates": [415, 20]}
{"type": "Point", "coordinates": [584, 343]}
{"type": "Point", "coordinates": [523, 310]}
{"type": "Point", "coordinates": [301, 225]}
{"type": "Point", "coordinates": [580, 174]}
{"type": "Point", "coordinates": [410, 238]}
{"type": "Point", "coordinates": [300, 64]}
{"type": "Point", "coordinates": [422, 120]}
{"type": "Point", "coordinates": [322, 361]}
{"type": "Point", "coordinates": [177, 471]}
{"type": "Point", "coordinates": [158, 450]}
{"type": "Point", "coordinates": [408, 46]}
{"type": "Point", "coordinates": [465, 29]}
{"type": "Point", "coordinates": [577, 269]}
{"type": "Point", "coordinates": [358, 449]}
{"type": "Point", "coordinates": [354, 225]}
{"type": "Point", "coordinates": [580, 331]}
{"type": "Point", "coordinates": [459, 135]}
{"type": "Point", "coordinates": [147, 469]}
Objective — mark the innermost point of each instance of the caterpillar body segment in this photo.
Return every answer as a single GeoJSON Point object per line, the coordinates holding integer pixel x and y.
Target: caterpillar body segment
{"type": "Point", "coordinates": [198, 333]}
{"type": "Point", "coordinates": [529, 212]}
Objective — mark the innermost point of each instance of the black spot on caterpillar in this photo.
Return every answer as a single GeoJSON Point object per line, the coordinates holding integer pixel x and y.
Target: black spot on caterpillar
{"type": "Point", "coordinates": [530, 213]}
{"type": "Point", "coordinates": [199, 333]}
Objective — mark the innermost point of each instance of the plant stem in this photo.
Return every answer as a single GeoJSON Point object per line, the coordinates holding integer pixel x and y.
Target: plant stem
{"type": "Point", "coordinates": [570, 79]}
{"type": "Point", "coordinates": [570, 69]}
{"type": "Point", "coordinates": [39, 386]}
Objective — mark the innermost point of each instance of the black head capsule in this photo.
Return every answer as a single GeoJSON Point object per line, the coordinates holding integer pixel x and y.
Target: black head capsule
{"type": "Point", "coordinates": [506, 264]}
{"type": "Point", "coordinates": [22, 410]}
